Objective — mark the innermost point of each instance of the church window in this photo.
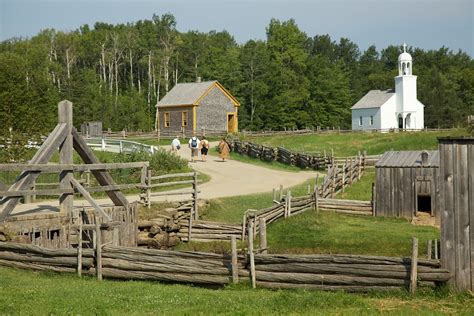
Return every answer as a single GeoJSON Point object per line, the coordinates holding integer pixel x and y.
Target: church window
{"type": "Point", "coordinates": [360, 121]}
{"type": "Point", "coordinates": [371, 120]}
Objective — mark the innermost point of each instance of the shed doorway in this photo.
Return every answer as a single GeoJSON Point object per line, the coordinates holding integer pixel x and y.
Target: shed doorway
{"type": "Point", "coordinates": [424, 204]}
{"type": "Point", "coordinates": [231, 123]}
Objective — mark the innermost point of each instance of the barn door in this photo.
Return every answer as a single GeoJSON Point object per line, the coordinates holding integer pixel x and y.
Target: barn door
{"type": "Point", "coordinates": [232, 122]}
{"type": "Point", "coordinates": [423, 194]}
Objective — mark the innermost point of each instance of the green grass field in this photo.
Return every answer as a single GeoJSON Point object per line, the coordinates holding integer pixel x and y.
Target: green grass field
{"type": "Point", "coordinates": [360, 190]}
{"type": "Point", "coordinates": [349, 144]}
{"type": "Point", "coordinates": [40, 293]}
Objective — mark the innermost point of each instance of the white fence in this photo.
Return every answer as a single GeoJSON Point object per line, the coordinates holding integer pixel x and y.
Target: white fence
{"type": "Point", "coordinates": [119, 146]}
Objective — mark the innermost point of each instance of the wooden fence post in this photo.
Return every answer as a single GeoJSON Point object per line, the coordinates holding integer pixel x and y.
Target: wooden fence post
{"type": "Point", "coordinates": [289, 204]}
{"type": "Point", "coordinates": [436, 256]}
{"type": "Point", "coordinates": [344, 177]}
{"type": "Point", "coordinates": [281, 192]}
{"type": "Point", "coordinates": [316, 194]}
{"type": "Point", "coordinates": [373, 199]}
{"type": "Point", "coordinates": [79, 246]}
{"type": "Point", "coordinates": [414, 266]}
{"type": "Point", "coordinates": [190, 227]}
{"type": "Point", "coordinates": [98, 249]}
{"type": "Point", "coordinates": [66, 157]}
{"type": "Point", "coordinates": [274, 195]}
{"type": "Point", "coordinates": [195, 196]}
{"type": "Point", "coordinates": [235, 266]}
{"type": "Point", "coordinates": [263, 235]}
{"type": "Point", "coordinates": [430, 248]}
{"type": "Point", "coordinates": [148, 189]}
{"type": "Point", "coordinates": [251, 255]}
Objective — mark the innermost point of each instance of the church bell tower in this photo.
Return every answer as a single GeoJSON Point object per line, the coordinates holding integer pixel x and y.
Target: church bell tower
{"type": "Point", "coordinates": [405, 90]}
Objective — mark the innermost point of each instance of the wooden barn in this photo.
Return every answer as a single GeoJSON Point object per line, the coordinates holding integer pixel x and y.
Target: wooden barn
{"type": "Point", "coordinates": [197, 106]}
{"type": "Point", "coordinates": [407, 183]}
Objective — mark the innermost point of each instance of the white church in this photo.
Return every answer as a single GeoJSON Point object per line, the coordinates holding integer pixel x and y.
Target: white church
{"type": "Point", "coordinates": [385, 110]}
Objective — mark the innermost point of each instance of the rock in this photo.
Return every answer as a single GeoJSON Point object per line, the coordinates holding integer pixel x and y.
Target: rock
{"type": "Point", "coordinates": [3, 238]}
{"type": "Point", "coordinates": [155, 229]}
{"type": "Point", "coordinates": [173, 241]}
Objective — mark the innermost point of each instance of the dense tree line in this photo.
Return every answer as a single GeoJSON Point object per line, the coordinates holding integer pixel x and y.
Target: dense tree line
{"type": "Point", "coordinates": [116, 74]}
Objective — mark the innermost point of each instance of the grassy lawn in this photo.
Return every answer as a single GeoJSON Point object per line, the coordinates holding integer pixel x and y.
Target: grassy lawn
{"type": "Point", "coordinates": [360, 190]}
{"type": "Point", "coordinates": [231, 209]}
{"type": "Point", "coordinates": [348, 144]}
{"type": "Point", "coordinates": [331, 232]}
{"type": "Point", "coordinates": [40, 293]}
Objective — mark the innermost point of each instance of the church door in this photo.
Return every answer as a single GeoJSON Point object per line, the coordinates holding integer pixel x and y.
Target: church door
{"type": "Point", "coordinates": [400, 121]}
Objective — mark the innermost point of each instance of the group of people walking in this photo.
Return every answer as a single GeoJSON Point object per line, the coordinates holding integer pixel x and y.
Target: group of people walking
{"type": "Point", "coordinates": [196, 145]}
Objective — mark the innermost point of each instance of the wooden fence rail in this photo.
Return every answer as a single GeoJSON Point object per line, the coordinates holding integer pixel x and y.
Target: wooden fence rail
{"type": "Point", "coordinates": [353, 273]}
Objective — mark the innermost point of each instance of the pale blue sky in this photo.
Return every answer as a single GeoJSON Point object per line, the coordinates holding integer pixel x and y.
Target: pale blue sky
{"type": "Point", "coordinates": [428, 24]}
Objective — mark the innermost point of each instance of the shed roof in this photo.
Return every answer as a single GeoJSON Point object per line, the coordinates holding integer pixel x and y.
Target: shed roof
{"type": "Point", "coordinates": [373, 99]}
{"type": "Point", "coordinates": [191, 93]}
{"type": "Point", "coordinates": [407, 159]}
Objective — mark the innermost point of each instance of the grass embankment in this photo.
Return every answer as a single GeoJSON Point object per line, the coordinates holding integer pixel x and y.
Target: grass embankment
{"type": "Point", "coordinates": [349, 144]}
{"type": "Point", "coordinates": [40, 293]}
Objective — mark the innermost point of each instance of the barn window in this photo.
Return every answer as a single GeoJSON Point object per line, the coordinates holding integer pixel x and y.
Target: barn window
{"type": "Point", "coordinates": [167, 119]}
{"type": "Point", "coordinates": [360, 121]}
{"type": "Point", "coordinates": [184, 118]}
{"type": "Point", "coordinates": [371, 120]}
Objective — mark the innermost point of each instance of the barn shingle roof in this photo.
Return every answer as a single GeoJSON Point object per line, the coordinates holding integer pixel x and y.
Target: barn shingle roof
{"type": "Point", "coordinates": [191, 93]}
{"type": "Point", "coordinates": [373, 99]}
{"type": "Point", "coordinates": [407, 159]}
{"type": "Point", "coordinates": [185, 93]}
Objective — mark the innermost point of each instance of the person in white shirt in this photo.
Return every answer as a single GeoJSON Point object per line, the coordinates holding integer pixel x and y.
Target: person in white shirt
{"type": "Point", "coordinates": [194, 145]}
{"type": "Point", "coordinates": [175, 145]}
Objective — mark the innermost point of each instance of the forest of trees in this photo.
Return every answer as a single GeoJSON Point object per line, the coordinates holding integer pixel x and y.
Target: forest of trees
{"type": "Point", "coordinates": [116, 74]}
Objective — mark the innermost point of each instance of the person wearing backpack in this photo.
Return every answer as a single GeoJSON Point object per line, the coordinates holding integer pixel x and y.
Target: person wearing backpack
{"type": "Point", "coordinates": [194, 146]}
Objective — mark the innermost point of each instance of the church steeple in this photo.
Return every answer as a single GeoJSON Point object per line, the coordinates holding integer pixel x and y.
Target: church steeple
{"type": "Point", "coordinates": [405, 63]}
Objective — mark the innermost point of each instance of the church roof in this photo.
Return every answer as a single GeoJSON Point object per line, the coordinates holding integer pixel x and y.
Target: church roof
{"type": "Point", "coordinates": [191, 93]}
{"type": "Point", "coordinates": [373, 99]}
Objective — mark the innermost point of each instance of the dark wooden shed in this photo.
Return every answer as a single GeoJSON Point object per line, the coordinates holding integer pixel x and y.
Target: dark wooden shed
{"type": "Point", "coordinates": [92, 129]}
{"type": "Point", "coordinates": [457, 209]}
{"type": "Point", "coordinates": [407, 183]}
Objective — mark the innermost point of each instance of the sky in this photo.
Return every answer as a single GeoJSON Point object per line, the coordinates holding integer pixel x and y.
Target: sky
{"type": "Point", "coordinates": [428, 24]}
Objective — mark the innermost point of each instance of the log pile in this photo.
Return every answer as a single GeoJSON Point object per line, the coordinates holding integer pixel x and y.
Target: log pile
{"type": "Point", "coordinates": [285, 156]}
{"type": "Point", "coordinates": [206, 230]}
{"type": "Point", "coordinates": [161, 232]}
{"type": "Point", "coordinates": [127, 263]}
{"type": "Point", "coordinates": [343, 272]}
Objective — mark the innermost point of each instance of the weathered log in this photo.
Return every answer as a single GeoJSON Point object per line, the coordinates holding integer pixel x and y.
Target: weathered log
{"type": "Point", "coordinates": [36, 266]}
{"type": "Point", "coordinates": [331, 279]}
{"type": "Point", "coordinates": [340, 258]}
{"type": "Point", "coordinates": [56, 261]}
{"type": "Point", "coordinates": [160, 267]}
{"type": "Point", "coordinates": [166, 277]}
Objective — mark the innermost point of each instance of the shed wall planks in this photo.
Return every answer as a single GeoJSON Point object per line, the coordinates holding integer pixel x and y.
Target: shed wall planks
{"type": "Point", "coordinates": [457, 200]}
